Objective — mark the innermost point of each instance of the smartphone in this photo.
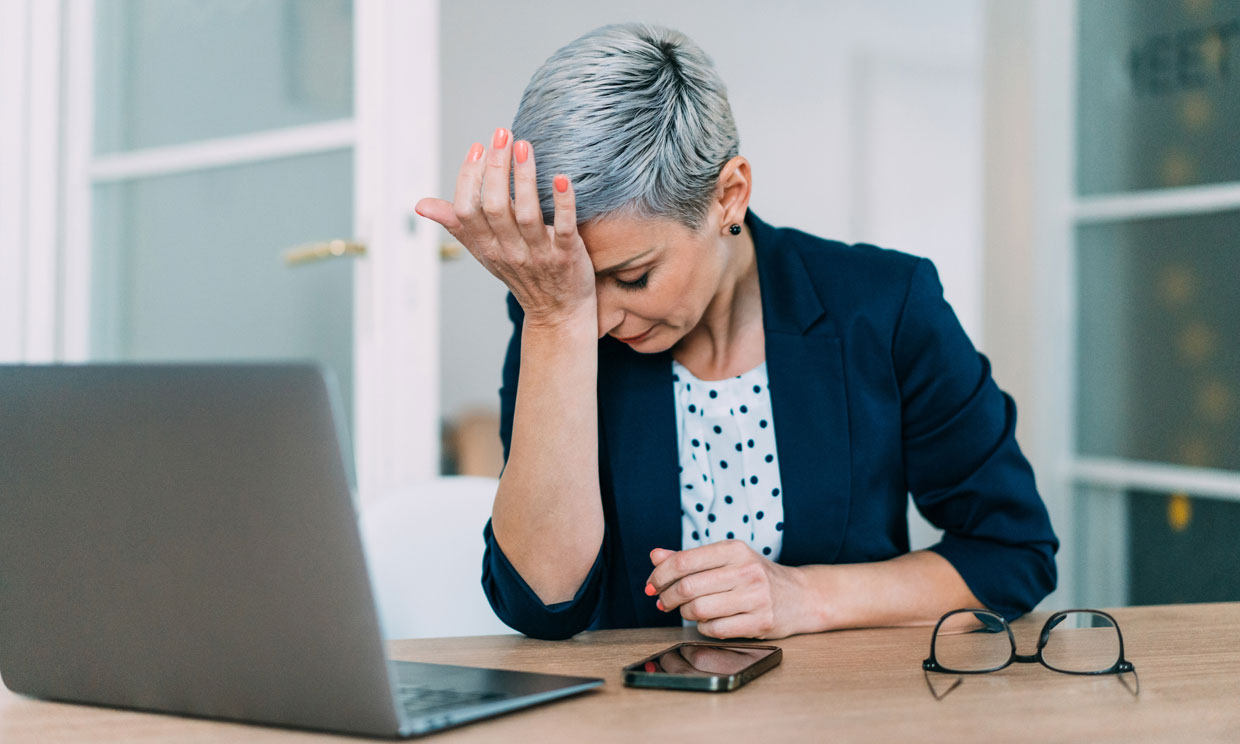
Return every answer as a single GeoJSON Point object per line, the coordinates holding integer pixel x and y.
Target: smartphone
{"type": "Point", "coordinates": [698, 665]}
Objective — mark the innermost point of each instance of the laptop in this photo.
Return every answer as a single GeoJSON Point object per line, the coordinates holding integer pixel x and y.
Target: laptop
{"type": "Point", "coordinates": [184, 539]}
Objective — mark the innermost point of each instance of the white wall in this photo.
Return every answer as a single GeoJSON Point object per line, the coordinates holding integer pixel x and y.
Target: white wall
{"type": "Point", "coordinates": [862, 119]}
{"type": "Point", "coordinates": [792, 70]}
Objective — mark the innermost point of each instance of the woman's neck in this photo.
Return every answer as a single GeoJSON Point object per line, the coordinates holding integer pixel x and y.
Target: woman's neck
{"type": "Point", "coordinates": [728, 340]}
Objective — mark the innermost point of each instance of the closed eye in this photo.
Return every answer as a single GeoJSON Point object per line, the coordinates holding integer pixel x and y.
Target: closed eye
{"type": "Point", "coordinates": [636, 284]}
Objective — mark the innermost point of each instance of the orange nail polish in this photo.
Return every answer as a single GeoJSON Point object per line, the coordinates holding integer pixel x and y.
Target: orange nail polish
{"type": "Point", "coordinates": [561, 183]}
{"type": "Point", "coordinates": [659, 604]}
{"type": "Point", "coordinates": [501, 137]}
{"type": "Point", "coordinates": [521, 150]}
{"type": "Point", "coordinates": [649, 589]}
{"type": "Point", "coordinates": [475, 152]}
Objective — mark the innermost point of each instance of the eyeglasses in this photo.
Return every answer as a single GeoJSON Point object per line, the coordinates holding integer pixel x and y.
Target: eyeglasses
{"type": "Point", "coordinates": [1071, 641]}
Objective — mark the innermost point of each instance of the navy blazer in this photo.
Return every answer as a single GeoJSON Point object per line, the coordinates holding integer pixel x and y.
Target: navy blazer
{"type": "Point", "coordinates": [876, 393]}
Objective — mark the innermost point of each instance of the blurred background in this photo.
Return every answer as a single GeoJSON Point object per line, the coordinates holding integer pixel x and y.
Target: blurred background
{"type": "Point", "coordinates": [236, 180]}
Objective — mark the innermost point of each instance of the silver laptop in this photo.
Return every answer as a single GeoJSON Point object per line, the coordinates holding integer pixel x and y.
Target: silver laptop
{"type": "Point", "coordinates": [183, 539]}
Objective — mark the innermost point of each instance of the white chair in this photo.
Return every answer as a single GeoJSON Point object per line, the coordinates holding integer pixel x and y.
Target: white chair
{"type": "Point", "coordinates": [424, 547]}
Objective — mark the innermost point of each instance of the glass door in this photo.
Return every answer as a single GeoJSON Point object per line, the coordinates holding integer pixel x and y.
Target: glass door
{"type": "Point", "coordinates": [222, 139]}
{"type": "Point", "coordinates": [237, 184]}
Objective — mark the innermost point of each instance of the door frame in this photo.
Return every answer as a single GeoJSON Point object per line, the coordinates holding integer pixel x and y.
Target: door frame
{"type": "Point", "coordinates": [1028, 300]}
{"type": "Point", "coordinates": [47, 54]}
{"type": "Point", "coordinates": [396, 319]}
{"type": "Point", "coordinates": [29, 152]}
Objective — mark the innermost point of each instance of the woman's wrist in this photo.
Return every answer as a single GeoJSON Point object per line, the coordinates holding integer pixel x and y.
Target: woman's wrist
{"type": "Point", "coordinates": [818, 609]}
{"type": "Point", "coordinates": [803, 609]}
{"type": "Point", "coordinates": [583, 319]}
{"type": "Point", "coordinates": [909, 590]}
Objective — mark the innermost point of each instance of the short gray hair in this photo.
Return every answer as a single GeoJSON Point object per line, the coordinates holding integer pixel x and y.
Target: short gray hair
{"type": "Point", "coordinates": [637, 116]}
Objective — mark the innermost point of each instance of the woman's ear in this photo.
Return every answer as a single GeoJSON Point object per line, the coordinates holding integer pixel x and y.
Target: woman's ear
{"type": "Point", "coordinates": [734, 190]}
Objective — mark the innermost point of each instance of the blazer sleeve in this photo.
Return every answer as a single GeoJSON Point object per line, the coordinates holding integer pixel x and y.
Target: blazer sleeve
{"type": "Point", "coordinates": [512, 599]}
{"type": "Point", "coordinates": [963, 466]}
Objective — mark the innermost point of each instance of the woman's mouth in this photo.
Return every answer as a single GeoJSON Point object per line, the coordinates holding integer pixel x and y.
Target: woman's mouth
{"type": "Point", "coordinates": [634, 339]}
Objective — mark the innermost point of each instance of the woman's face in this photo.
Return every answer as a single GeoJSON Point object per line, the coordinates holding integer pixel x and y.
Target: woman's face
{"type": "Point", "coordinates": [654, 278]}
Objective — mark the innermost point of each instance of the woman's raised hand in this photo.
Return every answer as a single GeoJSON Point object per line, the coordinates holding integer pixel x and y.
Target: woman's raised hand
{"type": "Point", "coordinates": [546, 267]}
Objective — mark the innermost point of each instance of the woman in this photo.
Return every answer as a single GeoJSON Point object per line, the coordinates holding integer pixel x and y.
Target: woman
{"type": "Point", "coordinates": [719, 421]}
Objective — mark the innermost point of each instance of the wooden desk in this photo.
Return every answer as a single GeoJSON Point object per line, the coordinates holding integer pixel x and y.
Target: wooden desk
{"type": "Point", "coordinates": [861, 685]}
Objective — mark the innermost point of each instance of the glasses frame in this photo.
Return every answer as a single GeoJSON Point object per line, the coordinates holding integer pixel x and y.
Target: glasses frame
{"type": "Point", "coordinates": [931, 664]}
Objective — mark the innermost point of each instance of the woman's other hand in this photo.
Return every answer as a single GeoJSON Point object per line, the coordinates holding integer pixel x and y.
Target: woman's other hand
{"type": "Point", "coordinates": [731, 591]}
{"type": "Point", "coordinates": [546, 267]}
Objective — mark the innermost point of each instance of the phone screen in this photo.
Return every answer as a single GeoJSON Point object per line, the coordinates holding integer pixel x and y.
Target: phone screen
{"type": "Point", "coordinates": [704, 659]}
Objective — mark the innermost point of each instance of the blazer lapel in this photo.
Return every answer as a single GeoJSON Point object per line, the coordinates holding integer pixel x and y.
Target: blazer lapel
{"type": "Point", "coordinates": [808, 398]}
{"type": "Point", "coordinates": [809, 401]}
{"type": "Point", "coordinates": [637, 413]}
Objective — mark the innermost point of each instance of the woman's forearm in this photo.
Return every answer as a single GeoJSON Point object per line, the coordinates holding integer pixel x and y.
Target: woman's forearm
{"type": "Point", "coordinates": [912, 589]}
{"type": "Point", "coordinates": [548, 513]}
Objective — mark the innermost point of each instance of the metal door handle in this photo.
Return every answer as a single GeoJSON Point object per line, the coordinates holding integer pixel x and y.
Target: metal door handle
{"type": "Point", "coordinates": [450, 251]}
{"type": "Point", "coordinates": [314, 252]}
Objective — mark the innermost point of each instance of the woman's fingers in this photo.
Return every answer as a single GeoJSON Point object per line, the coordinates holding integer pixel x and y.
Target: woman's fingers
{"type": "Point", "coordinates": [467, 206]}
{"type": "Point", "coordinates": [693, 586]}
{"type": "Point", "coordinates": [440, 211]}
{"type": "Point", "coordinates": [742, 625]}
{"type": "Point", "coordinates": [565, 229]}
{"type": "Point", "coordinates": [658, 555]}
{"type": "Point", "coordinates": [723, 604]}
{"type": "Point", "coordinates": [702, 558]}
{"type": "Point", "coordinates": [497, 195]}
{"type": "Point", "coordinates": [545, 266]}
{"type": "Point", "coordinates": [526, 206]}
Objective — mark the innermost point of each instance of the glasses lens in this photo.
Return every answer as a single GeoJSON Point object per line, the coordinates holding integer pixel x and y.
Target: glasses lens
{"type": "Point", "coordinates": [1082, 642]}
{"type": "Point", "coordinates": [972, 642]}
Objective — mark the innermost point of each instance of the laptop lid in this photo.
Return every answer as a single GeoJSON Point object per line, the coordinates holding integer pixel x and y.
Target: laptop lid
{"type": "Point", "coordinates": [180, 538]}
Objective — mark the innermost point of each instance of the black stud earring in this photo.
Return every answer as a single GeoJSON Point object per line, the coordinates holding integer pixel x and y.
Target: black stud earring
{"type": "Point", "coordinates": [735, 229]}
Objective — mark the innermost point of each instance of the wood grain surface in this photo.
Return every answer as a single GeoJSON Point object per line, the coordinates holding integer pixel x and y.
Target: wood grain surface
{"type": "Point", "coordinates": [859, 685]}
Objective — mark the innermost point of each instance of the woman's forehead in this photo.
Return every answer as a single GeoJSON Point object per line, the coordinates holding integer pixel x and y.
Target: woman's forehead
{"type": "Point", "coordinates": [619, 239]}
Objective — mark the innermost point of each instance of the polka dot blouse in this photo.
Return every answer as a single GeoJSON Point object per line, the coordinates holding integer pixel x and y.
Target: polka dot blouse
{"type": "Point", "coordinates": [729, 471]}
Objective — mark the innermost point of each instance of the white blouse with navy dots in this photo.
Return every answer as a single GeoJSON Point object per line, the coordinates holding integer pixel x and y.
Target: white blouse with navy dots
{"type": "Point", "coordinates": [729, 471]}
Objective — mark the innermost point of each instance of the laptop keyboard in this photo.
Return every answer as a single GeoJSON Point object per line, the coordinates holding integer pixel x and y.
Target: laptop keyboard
{"type": "Point", "coordinates": [417, 699]}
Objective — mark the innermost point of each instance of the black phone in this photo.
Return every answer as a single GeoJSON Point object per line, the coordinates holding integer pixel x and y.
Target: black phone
{"type": "Point", "coordinates": [698, 665]}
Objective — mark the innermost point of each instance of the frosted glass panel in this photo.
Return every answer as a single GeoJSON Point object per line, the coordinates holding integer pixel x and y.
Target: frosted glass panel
{"type": "Point", "coordinates": [1142, 547]}
{"type": "Point", "coordinates": [1182, 548]}
{"type": "Point", "coordinates": [190, 267]}
{"type": "Point", "coordinates": [176, 71]}
{"type": "Point", "coordinates": [1158, 94]}
{"type": "Point", "coordinates": [1159, 340]}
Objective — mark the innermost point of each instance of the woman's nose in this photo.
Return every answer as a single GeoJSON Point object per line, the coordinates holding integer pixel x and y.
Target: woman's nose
{"type": "Point", "coordinates": [610, 316]}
